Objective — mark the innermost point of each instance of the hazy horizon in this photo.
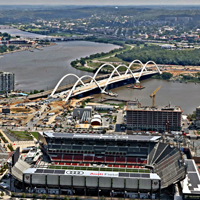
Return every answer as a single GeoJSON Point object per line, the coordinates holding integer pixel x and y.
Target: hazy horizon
{"type": "Point", "coordinates": [100, 2]}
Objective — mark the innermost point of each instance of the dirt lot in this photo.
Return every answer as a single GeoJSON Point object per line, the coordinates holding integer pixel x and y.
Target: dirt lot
{"type": "Point", "coordinates": [21, 109]}
{"type": "Point", "coordinates": [175, 73]}
{"type": "Point", "coordinates": [56, 106]}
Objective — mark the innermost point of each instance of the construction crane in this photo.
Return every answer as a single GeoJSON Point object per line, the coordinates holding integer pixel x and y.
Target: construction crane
{"type": "Point", "coordinates": [153, 96]}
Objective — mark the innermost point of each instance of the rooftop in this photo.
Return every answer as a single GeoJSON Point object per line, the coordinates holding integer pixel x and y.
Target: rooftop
{"type": "Point", "coordinates": [101, 136]}
{"type": "Point", "coordinates": [92, 173]}
{"type": "Point", "coordinates": [130, 106]}
{"type": "Point", "coordinates": [191, 183]}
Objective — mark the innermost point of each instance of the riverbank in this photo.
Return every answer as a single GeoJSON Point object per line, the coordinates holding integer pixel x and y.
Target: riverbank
{"type": "Point", "coordinates": [28, 49]}
{"type": "Point", "coordinates": [93, 62]}
{"type": "Point", "coordinates": [41, 70]}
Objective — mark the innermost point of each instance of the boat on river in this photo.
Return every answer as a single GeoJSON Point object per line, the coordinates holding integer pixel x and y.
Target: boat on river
{"type": "Point", "coordinates": [136, 87]}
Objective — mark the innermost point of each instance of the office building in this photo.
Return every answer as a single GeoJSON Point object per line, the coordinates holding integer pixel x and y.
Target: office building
{"type": "Point", "coordinates": [167, 118]}
{"type": "Point", "coordinates": [7, 82]}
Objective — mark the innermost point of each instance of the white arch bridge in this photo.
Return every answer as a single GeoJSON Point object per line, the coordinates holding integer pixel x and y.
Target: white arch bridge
{"type": "Point", "coordinates": [102, 84]}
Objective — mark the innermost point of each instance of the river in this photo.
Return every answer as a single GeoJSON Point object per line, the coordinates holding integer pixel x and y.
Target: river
{"type": "Point", "coordinates": [42, 69]}
{"type": "Point", "coordinates": [22, 34]}
{"type": "Point", "coordinates": [180, 94]}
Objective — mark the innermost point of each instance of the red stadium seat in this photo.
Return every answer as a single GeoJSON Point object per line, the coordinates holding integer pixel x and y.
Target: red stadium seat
{"type": "Point", "coordinates": [122, 166]}
{"type": "Point", "coordinates": [74, 164]}
{"type": "Point", "coordinates": [110, 159]}
{"type": "Point", "coordinates": [142, 161]}
{"type": "Point", "coordinates": [67, 157]}
{"type": "Point", "coordinates": [120, 160]}
{"type": "Point", "coordinates": [78, 158]}
{"type": "Point", "coordinates": [88, 159]}
{"type": "Point", "coordinates": [87, 165]}
{"type": "Point", "coordinates": [129, 166]}
{"type": "Point", "coordinates": [131, 160]}
{"type": "Point", "coordinates": [99, 159]}
{"type": "Point", "coordinates": [67, 163]}
{"type": "Point", "coordinates": [61, 163]}
{"type": "Point", "coordinates": [81, 164]}
{"type": "Point", "coordinates": [110, 165]}
{"type": "Point", "coordinates": [115, 165]}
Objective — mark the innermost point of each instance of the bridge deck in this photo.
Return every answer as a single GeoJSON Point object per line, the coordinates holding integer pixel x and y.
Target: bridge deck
{"type": "Point", "coordinates": [102, 80]}
{"type": "Point", "coordinates": [103, 83]}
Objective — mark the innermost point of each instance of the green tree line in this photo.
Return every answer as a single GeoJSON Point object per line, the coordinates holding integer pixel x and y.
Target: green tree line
{"type": "Point", "coordinates": [5, 48]}
{"type": "Point", "coordinates": [162, 56]}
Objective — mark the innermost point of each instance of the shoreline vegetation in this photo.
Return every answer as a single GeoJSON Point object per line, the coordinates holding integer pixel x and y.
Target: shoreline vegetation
{"type": "Point", "coordinates": [27, 49]}
{"type": "Point", "coordinates": [127, 51]}
{"type": "Point", "coordinates": [92, 62]}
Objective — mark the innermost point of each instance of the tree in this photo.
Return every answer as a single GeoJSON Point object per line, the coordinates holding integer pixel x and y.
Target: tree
{"type": "Point", "coordinates": [23, 195]}
{"type": "Point", "coordinates": [166, 75]}
{"type": "Point", "coordinates": [104, 131]}
{"type": "Point", "coordinates": [102, 198]}
{"type": "Point", "coordinates": [66, 198]}
{"type": "Point", "coordinates": [82, 61]}
{"type": "Point", "coordinates": [76, 198]}
{"type": "Point", "coordinates": [34, 196]}
{"type": "Point", "coordinates": [2, 194]}
{"type": "Point", "coordinates": [35, 91]}
{"type": "Point", "coordinates": [192, 117]}
{"type": "Point", "coordinates": [12, 194]}
{"type": "Point", "coordinates": [44, 196]}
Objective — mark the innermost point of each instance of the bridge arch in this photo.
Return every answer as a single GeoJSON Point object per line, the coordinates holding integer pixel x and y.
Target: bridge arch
{"type": "Point", "coordinates": [128, 68]}
{"type": "Point", "coordinates": [59, 82]}
{"type": "Point", "coordinates": [80, 79]}
{"type": "Point", "coordinates": [134, 61]}
{"type": "Point", "coordinates": [101, 68]}
{"type": "Point", "coordinates": [144, 68]}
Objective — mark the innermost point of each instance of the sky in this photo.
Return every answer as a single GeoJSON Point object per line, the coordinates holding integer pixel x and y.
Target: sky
{"type": "Point", "coordinates": [100, 2]}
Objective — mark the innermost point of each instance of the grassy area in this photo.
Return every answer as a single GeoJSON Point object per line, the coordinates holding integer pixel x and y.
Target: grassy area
{"type": "Point", "coordinates": [94, 64]}
{"type": "Point", "coordinates": [100, 169]}
{"type": "Point", "coordinates": [198, 132]}
{"type": "Point", "coordinates": [112, 59]}
{"type": "Point", "coordinates": [102, 111]}
{"type": "Point", "coordinates": [85, 69]}
{"type": "Point", "coordinates": [35, 134]}
{"type": "Point", "coordinates": [127, 48]}
{"type": "Point", "coordinates": [34, 29]}
{"type": "Point", "coordinates": [107, 67]}
{"type": "Point", "coordinates": [63, 34]}
{"type": "Point", "coordinates": [21, 135]}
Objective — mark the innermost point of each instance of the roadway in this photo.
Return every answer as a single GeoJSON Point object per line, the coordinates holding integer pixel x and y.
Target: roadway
{"type": "Point", "coordinates": [100, 79]}
{"type": "Point", "coordinates": [103, 83]}
{"type": "Point", "coordinates": [63, 88]}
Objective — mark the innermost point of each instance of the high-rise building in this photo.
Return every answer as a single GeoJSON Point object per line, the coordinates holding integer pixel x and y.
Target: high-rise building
{"type": "Point", "coordinates": [7, 82]}
{"type": "Point", "coordinates": [198, 117]}
{"type": "Point", "coordinates": [166, 118]}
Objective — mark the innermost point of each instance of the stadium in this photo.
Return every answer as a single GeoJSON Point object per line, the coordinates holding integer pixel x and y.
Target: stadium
{"type": "Point", "coordinates": [102, 165]}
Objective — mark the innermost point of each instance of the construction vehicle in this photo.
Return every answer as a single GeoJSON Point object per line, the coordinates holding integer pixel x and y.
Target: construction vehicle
{"type": "Point", "coordinates": [153, 96]}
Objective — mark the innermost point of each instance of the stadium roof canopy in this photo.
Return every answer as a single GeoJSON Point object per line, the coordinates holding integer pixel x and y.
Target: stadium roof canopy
{"type": "Point", "coordinates": [92, 173]}
{"type": "Point", "coordinates": [102, 136]}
